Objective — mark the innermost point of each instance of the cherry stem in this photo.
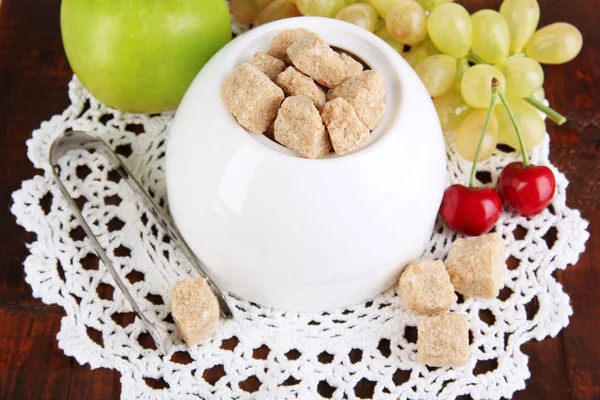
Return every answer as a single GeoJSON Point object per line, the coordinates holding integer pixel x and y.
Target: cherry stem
{"type": "Point", "coordinates": [495, 85]}
{"type": "Point", "coordinates": [516, 126]}
{"type": "Point", "coordinates": [552, 114]}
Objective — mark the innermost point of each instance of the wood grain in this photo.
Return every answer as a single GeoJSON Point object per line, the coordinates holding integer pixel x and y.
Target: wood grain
{"type": "Point", "coordinates": [33, 86]}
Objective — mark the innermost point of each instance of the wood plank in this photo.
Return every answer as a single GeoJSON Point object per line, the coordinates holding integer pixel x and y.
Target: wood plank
{"type": "Point", "coordinates": [582, 335]}
{"type": "Point", "coordinates": [33, 367]}
{"type": "Point", "coordinates": [34, 74]}
{"type": "Point", "coordinates": [33, 77]}
{"type": "Point", "coordinates": [573, 88]}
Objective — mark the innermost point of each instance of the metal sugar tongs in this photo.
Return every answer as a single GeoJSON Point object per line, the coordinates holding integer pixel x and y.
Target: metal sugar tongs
{"type": "Point", "coordinates": [81, 140]}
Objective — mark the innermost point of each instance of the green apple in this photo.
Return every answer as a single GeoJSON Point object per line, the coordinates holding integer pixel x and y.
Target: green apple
{"type": "Point", "coordinates": [141, 55]}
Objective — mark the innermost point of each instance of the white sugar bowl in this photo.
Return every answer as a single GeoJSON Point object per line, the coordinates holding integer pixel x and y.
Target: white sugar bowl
{"type": "Point", "coordinates": [300, 234]}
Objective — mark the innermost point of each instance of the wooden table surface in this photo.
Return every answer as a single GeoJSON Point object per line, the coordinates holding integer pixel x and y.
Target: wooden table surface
{"type": "Point", "coordinates": [33, 86]}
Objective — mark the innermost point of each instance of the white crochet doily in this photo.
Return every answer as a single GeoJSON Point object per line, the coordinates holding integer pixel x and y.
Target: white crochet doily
{"type": "Point", "coordinates": [368, 350]}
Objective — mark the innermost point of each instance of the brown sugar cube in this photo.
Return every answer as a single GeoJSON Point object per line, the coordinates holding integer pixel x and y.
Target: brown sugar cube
{"type": "Point", "coordinates": [285, 39]}
{"type": "Point", "coordinates": [299, 127]}
{"type": "Point", "coordinates": [353, 67]}
{"type": "Point", "coordinates": [251, 97]}
{"type": "Point", "coordinates": [312, 56]}
{"type": "Point", "coordinates": [345, 129]}
{"type": "Point", "coordinates": [195, 309]}
{"type": "Point", "coordinates": [366, 93]}
{"type": "Point", "coordinates": [443, 340]}
{"type": "Point", "coordinates": [294, 83]}
{"type": "Point", "coordinates": [425, 287]}
{"type": "Point", "coordinates": [477, 265]}
{"type": "Point", "coordinates": [270, 66]}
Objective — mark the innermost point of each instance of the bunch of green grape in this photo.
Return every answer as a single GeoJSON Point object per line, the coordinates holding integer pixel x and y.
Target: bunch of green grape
{"type": "Point", "coordinates": [456, 55]}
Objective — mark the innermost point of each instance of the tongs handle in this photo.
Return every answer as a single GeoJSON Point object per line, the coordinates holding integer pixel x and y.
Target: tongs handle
{"type": "Point", "coordinates": [111, 269]}
{"type": "Point", "coordinates": [173, 234]}
{"type": "Point", "coordinates": [82, 140]}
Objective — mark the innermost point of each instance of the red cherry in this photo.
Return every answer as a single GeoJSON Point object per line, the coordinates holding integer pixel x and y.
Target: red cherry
{"type": "Point", "coordinates": [470, 211]}
{"type": "Point", "coordinates": [528, 189]}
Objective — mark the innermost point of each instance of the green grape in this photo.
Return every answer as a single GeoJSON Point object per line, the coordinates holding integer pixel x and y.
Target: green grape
{"type": "Point", "coordinates": [320, 8]}
{"type": "Point", "coordinates": [244, 11]}
{"type": "Point", "coordinates": [475, 85]}
{"type": "Point", "coordinates": [278, 9]}
{"type": "Point", "coordinates": [361, 14]}
{"type": "Point", "coordinates": [451, 109]}
{"type": "Point", "coordinates": [407, 23]}
{"type": "Point", "coordinates": [523, 77]}
{"type": "Point", "coordinates": [420, 52]}
{"type": "Point", "coordinates": [429, 5]}
{"type": "Point", "coordinates": [437, 73]}
{"type": "Point", "coordinates": [383, 6]}
{"type": "Point", "coordinates": [383, 33]}
{"type": "Point", "coordinates": [469, 132]}
{"type": "Point", "coordinates": [449, 28]}
{"type": "Point", "coordinates": [350, 2]}
{"type": "Point", "coordinates": [522, 17]}
{"type": "Point", "coordinates": [531, 125]}
{"type": "Point", "coordinates": [557, 43]}
{"type": "Point", "coordinates": [491, 39]}
{"type": "Point", "coordinates": [415, 55]}
{"type": "Point", "coordinates": [431, 49]}
{"type": "Point", "coordinates": [462, 65]}
{"type": "Point", "coordinates": [540, 95]}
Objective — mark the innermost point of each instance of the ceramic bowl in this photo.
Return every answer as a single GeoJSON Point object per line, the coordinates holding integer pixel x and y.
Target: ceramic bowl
{"type": "Point", "coordinates": [300, 234]}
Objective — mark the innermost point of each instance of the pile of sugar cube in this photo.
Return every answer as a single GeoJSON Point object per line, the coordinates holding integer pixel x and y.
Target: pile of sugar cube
{"type": "Point", "coordinates": [306, 96]}
{"type": "Point", "coordinates": [475, 268]}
